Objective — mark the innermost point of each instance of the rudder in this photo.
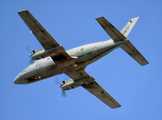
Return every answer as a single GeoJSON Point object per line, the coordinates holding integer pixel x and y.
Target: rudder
{"type": "Point", "coordinates": [128, 27]}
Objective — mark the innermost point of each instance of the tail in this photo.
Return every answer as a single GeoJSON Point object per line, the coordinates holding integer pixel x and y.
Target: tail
{"type": "Point", "coordinates": [126, 30]}
{"type": "Point", "coordinates": [117, 36]}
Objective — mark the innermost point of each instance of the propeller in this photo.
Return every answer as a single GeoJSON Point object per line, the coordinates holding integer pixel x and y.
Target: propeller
{"type": "Point", "coordinates": [58, 82]}
{"type": "Point", "coordinates": [28, 48]}
{"type": "Point", "coordinates": [63, 93]}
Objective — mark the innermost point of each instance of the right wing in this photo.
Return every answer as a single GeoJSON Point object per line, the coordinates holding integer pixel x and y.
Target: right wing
{"type": "Point", "coordinates": [45, 39]}
{"type": "Point", "coordinates": [93, 87]}
{"type": "Point", "coordinates": [101, 94]}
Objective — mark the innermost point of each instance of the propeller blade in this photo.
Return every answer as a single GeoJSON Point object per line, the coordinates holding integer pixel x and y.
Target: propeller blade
{"type": "Point", "coordinates": [28, 48]}
{"type": "Point", "coordinates": [58, 82]}
{"type": "Point", "coordinates": [64, 93]}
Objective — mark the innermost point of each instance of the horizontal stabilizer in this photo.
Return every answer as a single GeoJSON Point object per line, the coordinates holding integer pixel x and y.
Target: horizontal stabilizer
{"type": "Point", "coordinates": [134, 53]}
{"type": "Point", "coordinates": [115, 34]}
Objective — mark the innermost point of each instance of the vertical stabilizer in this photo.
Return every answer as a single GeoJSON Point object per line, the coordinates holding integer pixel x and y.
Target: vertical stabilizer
{"type": "Point", "coordinates": [126, 30]}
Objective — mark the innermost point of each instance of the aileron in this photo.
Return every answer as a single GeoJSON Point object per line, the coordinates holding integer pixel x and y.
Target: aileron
{"type": "Point", "coordinates": [101, 94]}
{"type": "Point", "coordinates": [46, 40]}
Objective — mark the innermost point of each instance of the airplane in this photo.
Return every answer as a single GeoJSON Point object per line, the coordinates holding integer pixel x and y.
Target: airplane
{"type": "Point", "coordinates": [53, 60]}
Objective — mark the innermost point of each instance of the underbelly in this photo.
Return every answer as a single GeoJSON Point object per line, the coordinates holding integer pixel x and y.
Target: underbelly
{"type": "Point", "coordinates": [43, 73]}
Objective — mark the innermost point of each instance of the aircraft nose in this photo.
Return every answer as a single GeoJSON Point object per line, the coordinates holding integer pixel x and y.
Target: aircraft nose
{"type": "Point", "coordinates": [16, 81]}
{"type": "Point", "coordinates": [19, 80]}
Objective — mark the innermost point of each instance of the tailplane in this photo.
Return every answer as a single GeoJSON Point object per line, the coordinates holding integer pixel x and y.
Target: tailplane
{"type": "Point", "coordinates": [118, 36]}
{"type": "Point", "coordinates": [128, 47]}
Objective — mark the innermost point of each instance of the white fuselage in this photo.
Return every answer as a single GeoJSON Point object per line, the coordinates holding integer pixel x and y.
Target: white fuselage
{"type": "Point", "coordinates": [83, 56]}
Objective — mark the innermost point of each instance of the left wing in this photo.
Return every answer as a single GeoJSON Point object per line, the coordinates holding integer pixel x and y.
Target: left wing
{"type": "Point", "coordinates": [45, 39]}
{"type": "Point", "coordinates": [94, 88]}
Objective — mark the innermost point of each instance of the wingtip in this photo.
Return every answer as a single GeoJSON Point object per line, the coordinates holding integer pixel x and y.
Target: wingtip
{"type": "Point", "coordinates": [23, 11]}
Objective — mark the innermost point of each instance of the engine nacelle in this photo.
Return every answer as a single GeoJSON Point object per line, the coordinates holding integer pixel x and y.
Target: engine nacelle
{"type": "Point", "coordinates": [71, 84]}
{"type": "Point", "coordinates": [42, 53]}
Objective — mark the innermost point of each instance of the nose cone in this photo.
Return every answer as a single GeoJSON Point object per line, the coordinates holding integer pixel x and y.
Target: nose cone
{"type": "Point", "coordinates": [19, 80]}
{"type": "Point", "coordinates": [16, 81]}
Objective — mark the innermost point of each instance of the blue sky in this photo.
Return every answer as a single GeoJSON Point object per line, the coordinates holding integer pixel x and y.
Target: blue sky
{"type": "Point", "coordinates": [72, 23]}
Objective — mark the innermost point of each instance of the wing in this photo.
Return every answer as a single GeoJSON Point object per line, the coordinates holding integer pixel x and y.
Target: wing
{"type": "Point", "coordinates": [77, 74]}
{"type": "Point", "coordinates": [45, 39]}
{"type": "Point", "coordinates": [94, 88]}
{"type": "Point", "coordinates": [100, 93]}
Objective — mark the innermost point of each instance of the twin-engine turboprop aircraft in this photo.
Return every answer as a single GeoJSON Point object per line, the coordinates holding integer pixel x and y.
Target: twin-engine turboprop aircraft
{"type": "Point", "coordinates": [53, 59]}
